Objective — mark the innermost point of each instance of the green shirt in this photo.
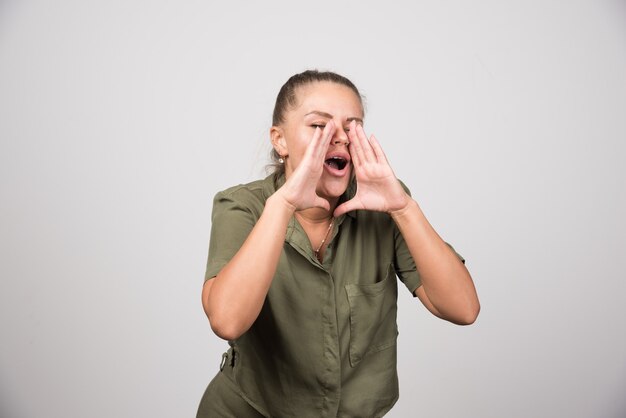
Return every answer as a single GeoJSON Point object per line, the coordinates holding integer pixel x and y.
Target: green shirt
{"type": "Point", "coordinates": [324, 344]}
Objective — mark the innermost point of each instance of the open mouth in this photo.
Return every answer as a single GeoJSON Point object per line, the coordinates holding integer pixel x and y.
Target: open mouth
{"type": "Point", "coordinates": [337, 163]}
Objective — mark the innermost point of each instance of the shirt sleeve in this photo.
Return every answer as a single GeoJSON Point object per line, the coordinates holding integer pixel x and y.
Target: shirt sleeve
{"type": "Point", "coordinates": [231, 223]}
{"type": "Point", "coordinates": [404, 263]}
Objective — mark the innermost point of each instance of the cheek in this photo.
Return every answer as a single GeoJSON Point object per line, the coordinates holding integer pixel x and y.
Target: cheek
{"type": "Point", "coordinates": [299, 143]}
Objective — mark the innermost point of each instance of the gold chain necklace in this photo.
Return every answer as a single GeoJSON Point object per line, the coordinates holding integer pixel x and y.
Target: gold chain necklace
{"type": "Point", "coordinates": [317, 252]}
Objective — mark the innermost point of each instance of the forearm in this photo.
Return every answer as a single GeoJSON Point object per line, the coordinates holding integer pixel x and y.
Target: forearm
{"type": "Point", "coordinates": [235, 296]}
{"type": "Point", "coordinates": [446, 282]}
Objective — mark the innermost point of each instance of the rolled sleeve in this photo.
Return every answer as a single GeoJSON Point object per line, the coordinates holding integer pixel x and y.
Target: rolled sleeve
{"type": "Point", "coordinates": [404, 263]}
{"type": "Point", "coordinates": [231, 223]}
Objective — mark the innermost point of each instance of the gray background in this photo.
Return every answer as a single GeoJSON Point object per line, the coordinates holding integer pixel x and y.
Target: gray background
{"type": "Point", "coordinates": [120, 120]}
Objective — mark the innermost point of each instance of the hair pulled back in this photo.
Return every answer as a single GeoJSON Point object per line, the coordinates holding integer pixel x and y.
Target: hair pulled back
{"type": "Point", "coordinates": [287, 99]}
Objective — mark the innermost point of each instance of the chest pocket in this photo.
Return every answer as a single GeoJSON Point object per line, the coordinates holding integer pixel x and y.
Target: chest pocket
{"type": "Point", "coordinates": [373, 309]}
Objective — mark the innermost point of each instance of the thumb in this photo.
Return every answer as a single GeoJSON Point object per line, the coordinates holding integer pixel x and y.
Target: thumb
{"type": "Point", "coordinates": [345, 207]}
{"type": "Point", "coordinates": [322, 203]}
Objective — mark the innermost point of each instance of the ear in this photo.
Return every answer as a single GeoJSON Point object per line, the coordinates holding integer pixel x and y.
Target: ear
{"type": "Point", "coordinates": [277, 136]}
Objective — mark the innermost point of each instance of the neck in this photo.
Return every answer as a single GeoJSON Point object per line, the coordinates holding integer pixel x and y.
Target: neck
{"type": "Point", "coordinates": [314, 216]}
{"type": "Point", "coordinates": [317, 215]}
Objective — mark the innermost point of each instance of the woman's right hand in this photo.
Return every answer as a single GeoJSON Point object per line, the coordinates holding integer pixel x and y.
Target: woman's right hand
{"type": "Point", "coordinates": [232, 312]}
{"type": "Point", "coordinates": [299, 190]}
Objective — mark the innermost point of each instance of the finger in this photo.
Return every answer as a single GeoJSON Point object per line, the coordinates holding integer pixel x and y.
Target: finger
{"type": "Point", "coordinates": [323, 141]}
{"type": "Point", "coordinates": [322, 203]}
{"type": "Point", "coordinates": [378, 150]}
{"type": "Point", "coordinates": [329, 131]}
{"type": "Point", "coordinates": [355, 147]}
{"type": "Point", "coordinates": [317, 148]}
{"type": "Point", "coordinates": [352, 143]}
{"type": "Point", "coordinates": [310, 149]}
{"type": "Point", "coordinates": [346, 207]}
{"type": "Point", "coordinates": [366, 147]}
{"type": "Point", "coordinates": [354, 155]}
{"type": "Point", "coordinates": [352, 131]}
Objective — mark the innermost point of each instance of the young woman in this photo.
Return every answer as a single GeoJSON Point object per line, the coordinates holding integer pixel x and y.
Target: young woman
{"type": "Point", "coordinates": [301, 275]}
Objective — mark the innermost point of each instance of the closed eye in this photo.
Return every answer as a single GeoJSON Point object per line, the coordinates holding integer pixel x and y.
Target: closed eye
{"type": "Point", "coordinates": [323, 126]}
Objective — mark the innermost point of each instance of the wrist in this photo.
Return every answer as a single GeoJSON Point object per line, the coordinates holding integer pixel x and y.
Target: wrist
{"type": "Point", "coordinates": [411, 205]}
{"type": "Point", "coordinates": [279, 203]}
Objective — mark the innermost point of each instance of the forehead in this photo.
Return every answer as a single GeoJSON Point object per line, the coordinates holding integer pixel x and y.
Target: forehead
{"type": "Point", "coordinates": [329, 97]}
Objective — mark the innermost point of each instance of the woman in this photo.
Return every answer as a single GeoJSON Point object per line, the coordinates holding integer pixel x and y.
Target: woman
{"type": "Point", "coordinates": [301, 276]}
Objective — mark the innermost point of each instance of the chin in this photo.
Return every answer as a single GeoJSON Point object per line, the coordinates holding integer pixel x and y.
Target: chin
{"type": "Point", "coordinates": [333, 187]}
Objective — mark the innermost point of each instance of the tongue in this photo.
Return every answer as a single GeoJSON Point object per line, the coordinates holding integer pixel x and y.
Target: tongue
{"type": "Point", "coordinates": [332, 163]}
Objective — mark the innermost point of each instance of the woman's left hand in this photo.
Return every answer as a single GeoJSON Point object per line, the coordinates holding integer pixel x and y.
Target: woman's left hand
{"type": "Point", "coordinates": [378, 189]}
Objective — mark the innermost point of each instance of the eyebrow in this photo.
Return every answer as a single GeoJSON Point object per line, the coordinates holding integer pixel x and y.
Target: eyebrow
{"type": "Point", "coordinates": [329, 116]}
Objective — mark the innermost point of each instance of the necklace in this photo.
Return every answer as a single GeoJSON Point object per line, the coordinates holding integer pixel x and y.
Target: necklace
{"type": "Point", "coordinates": [317, 252]}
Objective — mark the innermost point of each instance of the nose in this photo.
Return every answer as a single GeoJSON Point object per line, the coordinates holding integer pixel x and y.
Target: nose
{"type": "Point", "coordinates": [341, 137]}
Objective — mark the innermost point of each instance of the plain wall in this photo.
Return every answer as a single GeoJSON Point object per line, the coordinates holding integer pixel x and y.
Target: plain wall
{"type": "Point", "coordinates": [119, 121]}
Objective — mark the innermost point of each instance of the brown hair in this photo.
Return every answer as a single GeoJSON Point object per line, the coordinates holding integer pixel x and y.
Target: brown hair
{"type": "Point", "coordinates": [287, 99]}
